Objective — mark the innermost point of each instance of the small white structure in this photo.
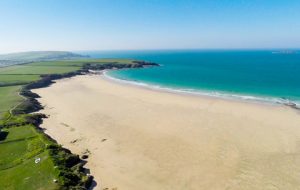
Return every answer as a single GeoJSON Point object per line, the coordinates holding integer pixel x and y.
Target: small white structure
{"type": "Point", "coordinates": [37, 160]}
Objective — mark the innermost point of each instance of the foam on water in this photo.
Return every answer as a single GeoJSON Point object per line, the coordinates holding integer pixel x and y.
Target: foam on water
{"type": "Point", "coordinates": [216, 94]}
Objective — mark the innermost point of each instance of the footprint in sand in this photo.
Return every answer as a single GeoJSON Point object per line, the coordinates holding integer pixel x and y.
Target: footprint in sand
{"type": "Point", "coordinates": [76, 140]}
{"type": "Point", "coordinates": [64, 124]}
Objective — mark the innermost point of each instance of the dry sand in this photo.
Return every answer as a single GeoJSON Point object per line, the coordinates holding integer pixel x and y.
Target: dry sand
{"type": "Point", "coordinates": [142, 139]}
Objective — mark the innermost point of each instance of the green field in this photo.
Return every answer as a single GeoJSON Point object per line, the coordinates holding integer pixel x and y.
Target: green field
{"type": "Point", "coordinates": [57, 67]}
{"type": "Point", "coordinates": [21, 144]}
{"type": "Point", "coordinates": [37, 70]}
{"type": "Point", "coordinates": [9, 80]}
{"type": "Point", "coordinates": [9, 98]}
{"type": "Point", "coordinates": [18, 169]}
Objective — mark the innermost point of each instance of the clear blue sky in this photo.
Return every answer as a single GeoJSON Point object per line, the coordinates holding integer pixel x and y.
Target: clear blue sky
{"type": "Point", "coordinates": [148, 24]}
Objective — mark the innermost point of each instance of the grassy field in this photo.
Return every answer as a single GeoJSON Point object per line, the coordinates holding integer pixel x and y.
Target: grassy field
{"type": "Point", "coordinates": [19, 151]}
{"type": "Point", "coordinates": [7, 78]}
{"type": "Point", "coordinates": [37, 70]}
{"type": "Point", "coordinates": [22, 144]}
{"type": "Point", "coordinates": [9, 98]}
{"type": "Point", "coordinates": [57, 67]}
{"type": "Point", "coordinates": [10, 80]}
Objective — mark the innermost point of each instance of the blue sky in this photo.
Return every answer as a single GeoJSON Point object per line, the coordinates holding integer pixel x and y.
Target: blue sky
{"type": "Point", "coordinates": [152, 24]}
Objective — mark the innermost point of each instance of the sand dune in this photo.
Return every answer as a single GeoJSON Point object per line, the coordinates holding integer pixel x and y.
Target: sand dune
{"type": "Point", "coordinates": [142, 139]}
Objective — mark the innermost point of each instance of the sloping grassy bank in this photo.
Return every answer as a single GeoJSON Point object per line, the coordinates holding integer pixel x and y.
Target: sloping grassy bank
{"type": "Point", "coordinates": [29, 158]}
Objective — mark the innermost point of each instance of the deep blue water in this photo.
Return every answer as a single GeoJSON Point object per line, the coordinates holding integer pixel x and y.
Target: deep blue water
{"type": "Point", "coordinates": [262, 74]}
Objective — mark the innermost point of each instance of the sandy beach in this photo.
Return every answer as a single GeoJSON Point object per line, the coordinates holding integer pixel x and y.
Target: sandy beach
{"type": "Point", "coordinates": [142, 139]}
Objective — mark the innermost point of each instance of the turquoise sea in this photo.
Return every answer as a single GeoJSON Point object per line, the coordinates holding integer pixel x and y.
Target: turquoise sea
{"type": "Point", "coordinates": [260, 75]}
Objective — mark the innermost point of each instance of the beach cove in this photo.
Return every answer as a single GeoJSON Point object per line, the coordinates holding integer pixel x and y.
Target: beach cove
{"type": "Point", "coordinates": [139, 138]}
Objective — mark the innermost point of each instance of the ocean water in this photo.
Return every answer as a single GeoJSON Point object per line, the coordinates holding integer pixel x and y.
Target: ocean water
{"type": "Point", "coordinates": [260, 75]}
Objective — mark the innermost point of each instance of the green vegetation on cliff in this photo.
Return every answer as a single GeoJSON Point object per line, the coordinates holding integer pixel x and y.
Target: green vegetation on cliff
{"type": "Point", "coordinates": [9, 97]}
{"type": "Point", "coordinates": [25, 162]}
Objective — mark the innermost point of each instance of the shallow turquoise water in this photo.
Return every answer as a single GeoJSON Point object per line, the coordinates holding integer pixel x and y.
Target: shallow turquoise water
{"type": "Point", "coordinates": [260, 74]}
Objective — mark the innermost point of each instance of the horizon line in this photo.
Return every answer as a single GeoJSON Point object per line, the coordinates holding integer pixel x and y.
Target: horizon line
{"type": "Point", "coordinates": [151, 49]}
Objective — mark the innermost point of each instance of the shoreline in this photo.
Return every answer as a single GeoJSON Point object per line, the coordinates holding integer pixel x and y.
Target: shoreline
{"type": "Point", "coordinates": [118, 135]}
{"type": "Point", "coordinates": [272, 101]}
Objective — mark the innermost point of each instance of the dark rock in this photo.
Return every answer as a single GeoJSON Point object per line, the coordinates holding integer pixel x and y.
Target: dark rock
{"type": "Point", "coordinates": [85, 156]}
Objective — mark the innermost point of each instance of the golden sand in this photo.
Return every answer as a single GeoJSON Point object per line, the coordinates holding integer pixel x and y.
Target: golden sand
{"type": "Point", "coordinates": [141, 139]}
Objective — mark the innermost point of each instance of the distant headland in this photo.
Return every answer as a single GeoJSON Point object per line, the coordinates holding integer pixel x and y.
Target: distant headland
{"type": "Point", "coordinates": [34, 56]}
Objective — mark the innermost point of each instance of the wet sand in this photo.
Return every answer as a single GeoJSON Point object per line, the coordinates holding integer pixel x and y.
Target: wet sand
{"type": "Point", "coordinates": [145, 139]}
